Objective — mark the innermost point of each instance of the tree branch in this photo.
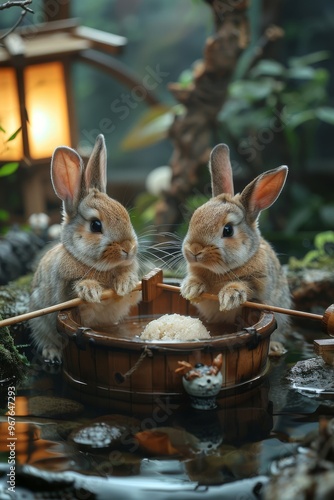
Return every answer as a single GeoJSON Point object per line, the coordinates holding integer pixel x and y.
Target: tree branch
{"type": "Point", "coordinates": [18, 3]}
{"type": "Point", "coordinates": [24, 6]}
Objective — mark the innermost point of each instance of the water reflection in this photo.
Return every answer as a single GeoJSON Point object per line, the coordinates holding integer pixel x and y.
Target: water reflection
{"type": "Point", "coordinates": [238, 440]}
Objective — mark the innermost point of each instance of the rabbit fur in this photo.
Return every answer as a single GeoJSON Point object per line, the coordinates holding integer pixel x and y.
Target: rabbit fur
{"type": "Point", "coordinates": [98, 250]}
{"type": "Point", "coordinates": [225, 252]}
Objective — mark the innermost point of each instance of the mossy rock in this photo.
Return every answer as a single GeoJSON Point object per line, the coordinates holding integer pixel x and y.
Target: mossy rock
{"type": "Point", "coordinates": [13, 365]}
{"type": "Point", "coordinates": [14, 300]}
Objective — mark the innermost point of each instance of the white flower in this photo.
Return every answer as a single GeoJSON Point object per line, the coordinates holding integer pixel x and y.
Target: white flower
{"type": "Point", "coordinates": [159, 180]}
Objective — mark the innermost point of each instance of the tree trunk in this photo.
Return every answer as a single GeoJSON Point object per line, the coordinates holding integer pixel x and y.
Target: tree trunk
{"type": "Point", "coordinates": [191, 133]}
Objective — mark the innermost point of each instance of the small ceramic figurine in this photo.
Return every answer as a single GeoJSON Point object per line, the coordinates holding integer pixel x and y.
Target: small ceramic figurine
{"type": "Point", "coordinates": [202, 382]}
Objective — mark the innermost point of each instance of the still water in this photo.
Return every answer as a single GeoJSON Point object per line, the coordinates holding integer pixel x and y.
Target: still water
{"type": "Point", "coordinates": [62, 448]}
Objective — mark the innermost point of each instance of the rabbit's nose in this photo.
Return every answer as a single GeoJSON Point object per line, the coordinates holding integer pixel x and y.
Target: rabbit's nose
{"type": "Point", "coordinates": [126, 244]}
{"type": "Point", "coordinates": [196, 251]}
{"type": "Point", "coordinates": [128, 247]}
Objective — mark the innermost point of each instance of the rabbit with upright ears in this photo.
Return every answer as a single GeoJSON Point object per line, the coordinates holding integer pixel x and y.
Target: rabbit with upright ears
{"type": "Point", "coordinates": [98, 250]}
{"type": "Point", "coordinates": [224, 250]}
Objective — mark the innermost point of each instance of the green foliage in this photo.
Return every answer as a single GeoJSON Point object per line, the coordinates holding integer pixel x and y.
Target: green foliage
{"type": "Point", "coordinates": [186, 78]}
{"type": "Point", "coordinates": [12, 363]}
{"type": "Point", "coordinates": [322, 256]}
{"type": "Point", "coordinates": [5, 141]}
{"type": "Point", "coordinates": [8, 168]}
{"type": "Point", "coordinates": [4, 215]}
{"type": "Point", "coordinates": [193, 202]}
{"type": "Point", "coordinates": [298, 88]}
{"type": "Point", "coordinates": [14, 135]}
{"type": "Point", "coordinates": [308, 210]}
{"type": "Point", "coordinates": [150, 128]}
{"type": "Point", "coordinates": [143, 211]}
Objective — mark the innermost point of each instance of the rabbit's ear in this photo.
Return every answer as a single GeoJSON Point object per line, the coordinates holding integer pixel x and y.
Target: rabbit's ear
{"type": "Point", "coordinates": [221, 171]}
{"type": "Point", "coordinates": [66, 175]}
{"type": "Point", "coordinates": [96, 170]}
{"type": "Point", "coordinates": [263, 191]}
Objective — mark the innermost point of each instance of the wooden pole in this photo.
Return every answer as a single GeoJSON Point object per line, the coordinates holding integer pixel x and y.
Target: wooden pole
{"type": "Point", "coordinates": [254, 305]}
{"type": "Point", "coordinates": [107, 294]}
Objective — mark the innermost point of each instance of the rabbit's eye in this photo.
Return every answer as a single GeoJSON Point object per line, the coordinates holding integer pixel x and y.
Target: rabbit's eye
{"type": "Point", "coordinates": [96, 226]}
{"type": "Point", "coordinates": [228, 231]}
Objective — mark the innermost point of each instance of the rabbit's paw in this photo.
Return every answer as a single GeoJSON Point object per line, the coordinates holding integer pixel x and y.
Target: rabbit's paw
{"type": "Point", "coordinates": [51, 354]}
{"type": "Point", "coordinates": [232, 296]}
{"type": "Point", "coordinates": [89, 290]}
{"type": "Point", "coordinates": [124, 285]}
{"type": "Point", "coordinates": [191, 289]}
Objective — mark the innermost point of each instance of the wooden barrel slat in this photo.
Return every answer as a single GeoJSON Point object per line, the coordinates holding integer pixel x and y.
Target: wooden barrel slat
{"type": "Point", "coordinates": [91, 368]}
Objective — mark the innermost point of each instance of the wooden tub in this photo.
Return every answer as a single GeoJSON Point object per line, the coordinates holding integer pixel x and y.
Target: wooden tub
{"type": "Point", "coordinates": [113, 368]}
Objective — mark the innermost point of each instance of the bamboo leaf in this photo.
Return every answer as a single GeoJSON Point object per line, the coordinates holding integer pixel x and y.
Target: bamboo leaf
{"type": "Point", "coordinates": [12, 137]}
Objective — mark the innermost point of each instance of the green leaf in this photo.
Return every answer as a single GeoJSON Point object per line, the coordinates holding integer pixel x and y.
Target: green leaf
{"type": "Point", "coordinates": [310, 256]}
{"type": "Point", "coordinates": [4, 215]}
{"type": "Point", "coordinates": [195, 201]}
{"type": "Point", "coordinates": [322, 238]}
{"type": "Point", "coordinates": [267, 67]}
{"type": "Point", "coordinates": [321, 76]}
{"type": "Point", "coordinates": [301, 73]}
{"type": "Point", "coordinates": [312, 58]}
{"type": "Point", "coordinates": [296, 119]}
{"type": "Point", "coordinates": [2, 129]}
{"type": "Point", "coordinates": [12, 137]}
{"type": "Point", "coordinates": [186, 78]}
{"type": "Point", "coordinates": [326, 213]}
{"type": "Point", "coordinates": [232, 108]}
{"type": "Point", "coordinates": [326, 114]}
{"type": "Point", "coordinates": [8, 169]}
{"type": "Point", "coordinates": [151, 128]}
{"type": "Point", "coordinates": [254, 91]}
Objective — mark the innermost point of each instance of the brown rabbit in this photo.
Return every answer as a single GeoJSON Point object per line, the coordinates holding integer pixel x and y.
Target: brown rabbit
{"type": "Point", "coordinates": [224, 250]}
{"type": "Point", "coordinates": [98, 250]}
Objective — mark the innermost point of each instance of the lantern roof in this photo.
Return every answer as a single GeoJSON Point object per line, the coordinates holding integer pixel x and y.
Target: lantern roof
{"type": "Point", "coordinates": [56, 39]}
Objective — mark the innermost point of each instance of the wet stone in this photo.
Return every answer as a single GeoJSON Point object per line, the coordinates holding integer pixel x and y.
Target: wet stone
{"type": "Point", "coordinates": [313, 378]}
{"type": "Point", "coordinates": [65, 428]}
{"type": "Point", "coordinates": [313, 372]}
{"type": "Point", "coordinates": [116, 419]}
{"type": "Point", "coordinates": [53, 407]}
{"type": "Point", "coordinates": [99, 436]}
